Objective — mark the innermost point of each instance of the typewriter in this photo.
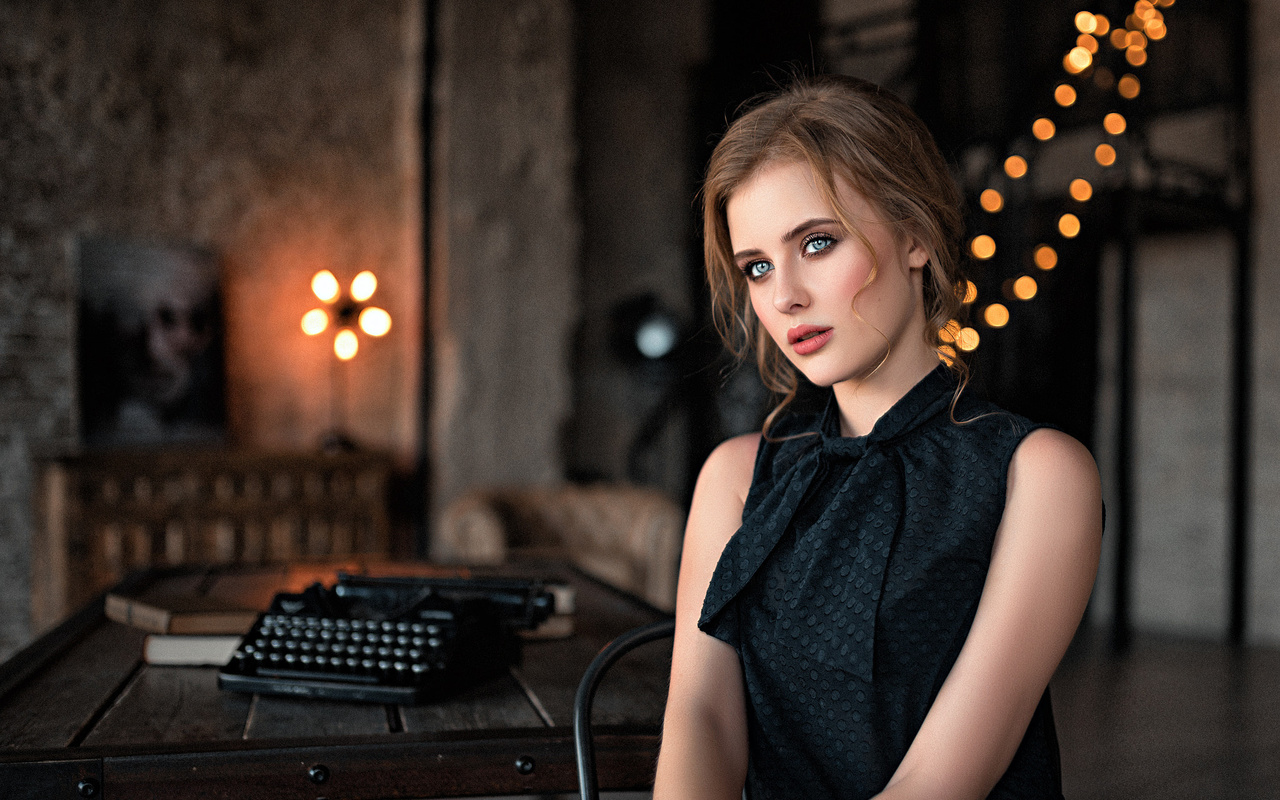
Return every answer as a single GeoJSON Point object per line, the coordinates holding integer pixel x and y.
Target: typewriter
{"type": "Point", "coordinates": [387, 640]}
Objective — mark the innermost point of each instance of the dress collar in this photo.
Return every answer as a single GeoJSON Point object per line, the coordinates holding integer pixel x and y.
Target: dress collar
{"type": "Point", "coordinates": [930, 395]}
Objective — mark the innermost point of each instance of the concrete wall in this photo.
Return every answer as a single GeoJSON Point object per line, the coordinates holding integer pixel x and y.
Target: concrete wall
{"type": "Point", "coordinates": [282, 135]}
{"type": "Point", "coordinates": [504, 243]}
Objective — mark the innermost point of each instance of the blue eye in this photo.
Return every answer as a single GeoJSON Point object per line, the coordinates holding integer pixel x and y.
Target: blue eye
{"type": "Point", "coordinates": [817, 243]}
{"type": "Point", "coordinates": [755, 270]}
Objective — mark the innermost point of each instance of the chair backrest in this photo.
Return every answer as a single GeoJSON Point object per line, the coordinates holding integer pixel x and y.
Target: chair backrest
{"type": "Point", "coordinates": [104, 514]}
{"type": "Point", "coordinates": [626, 535]}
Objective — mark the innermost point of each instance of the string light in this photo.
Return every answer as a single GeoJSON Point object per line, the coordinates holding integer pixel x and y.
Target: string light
{"type": "Point", "coordinates": [1081, 190]}
{"type": "Point", "coordinates": [1077, 60]}
{"type": "Point", "coordinates": [996, 315]}
{"type": "Point", "coordinates": [1114, 123]}
{"type": "Point", "coordinates": [1136, 56]}
{"type": "Point", "coordinates": [315, 321]}
{"type": "Point", "coordinates": [1069, 226]}
{"type": "Point", "coordinates": [991, 201]}
{"type": "Point", "coordinates": [1088, 43]}
{"type": "Point", "coordinates": [1015, 166]}
{"type": "Point", "coordinates": [1102, 25]}
{"type": "Point", "coordinates": [325, 286]}
{"type": "Point", "coordinates": [1129, 86]}
{"type": "Point", "coordinates": [346, 344]}
{"type": "Point", "coordinates": [1046, 258]}
{"type": "Point", "coordinates": [363, 286]}
{"type": "Point", "coordinates": [1025, 287]}
{"type": "Point", "coordinates": [950, 332]}
{"type": "Point", "coordinates": [970, 292]}
{"type": "Point", "coordinates": [983, 247]}
{"type": "Point", "coordinates": [1086, 22]}
{"type": "Point", "coordinates": [1043, 129]}
{"type": "Point", "coordinates": [1105, 154]}
{"type": "Point", "coordinates": [1064, 95]}
{"type": "Point", "coordinates": [375, 321]}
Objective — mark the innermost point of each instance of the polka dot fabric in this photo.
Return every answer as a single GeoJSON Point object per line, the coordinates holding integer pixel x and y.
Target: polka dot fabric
{"type": "Point", "coordinates": [851, 585]}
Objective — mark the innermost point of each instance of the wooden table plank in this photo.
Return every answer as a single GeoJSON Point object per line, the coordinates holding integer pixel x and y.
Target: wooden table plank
{"type": "Point", "coordinates": [77, 684]}
{"type": "Point", "coordinates": [291, 717]}
{"type": "Point", "coordinates": [493, 705]}
{"type": "Point", "coordinates": [172, 705]}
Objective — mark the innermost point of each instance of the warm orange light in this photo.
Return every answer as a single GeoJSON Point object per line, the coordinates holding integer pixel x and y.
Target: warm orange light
{"type": "Point", "coordinates": [1103, 25]}
{"type": "Point", "coordinates": [967, 339]}
{"type": "Point", "coordinates": [1086, 22]}
{"type": "Point", "coordinates": [947, 354]}
{"type": "Point", "coordinates": [1114, 123]}
{"type": "Point", "coordinates": [1133, 22]}
{"type": "Point", "coordinates": [996, 315]}
{"type": "Point", "coordinates": [1135, 39]}
{"type": "Point", "coordinates": [1119, 38]}
{"type": "Point", "coordinates": [1081, 190]}
{"type": "Point", "coordinates": [983, 247]}
{"type": "Point", "coordinates": [1104, 154]}
{"type": "Point", "coordinates": [1129, 86]}
{"type": "Point", "coordinates": [1043, 129]}
{"type": "Point", "coordinates": [363, 286]}
{"type": "Point", "coordinates": [950, 331]}
{"type": "Point", "coordinates": [374, 321]}
{"type": "Point", "coordinates": [1046, 257]}
{"type": "Point", "coordinates": [1069, 225]}
{"type": "Point", "coordinates": [345, 344]}
{"type": "Point", "coordinates": [1144, 9]}
{"type": "Point", "coordinates": [1164, 3]}
{"type": "Point", "coordinates": [1064, 95]}
{"type": "Point", "coordinates": [314, 321]}
{"type": "Point", "coordinates": [1136, 56]}
{"type": "Point", "coordinates": [970, 291]}
{"type": "Point", "coordinates": [1025, 288]}
{"type": "Point", "coordinates": [1156, 30]}
{"type": "Point", "coordinates": [1015, 166]}
{"type": "Point", "coordinates": [1077, 60]}
{"type": "Point", "coordinates": [1088, 43]}
{"type": "Point", "coordinates": [325, 286]}
{"type": "Point", "coordinates": [991, 200]}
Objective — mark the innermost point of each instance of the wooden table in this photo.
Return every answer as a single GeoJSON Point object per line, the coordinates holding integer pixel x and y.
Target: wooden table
{"type": "Point", "coordinates": [82, 716]}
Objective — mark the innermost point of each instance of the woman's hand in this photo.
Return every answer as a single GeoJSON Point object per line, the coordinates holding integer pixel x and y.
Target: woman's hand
{"type": "Point", "coordinates": [704, 735]}
{"type": "Point", "coordinates": [1043, 565]}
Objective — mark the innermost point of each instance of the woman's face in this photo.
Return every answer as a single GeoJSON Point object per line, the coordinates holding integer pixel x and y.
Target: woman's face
{"type": "Point", "coordinates": [808, 277]}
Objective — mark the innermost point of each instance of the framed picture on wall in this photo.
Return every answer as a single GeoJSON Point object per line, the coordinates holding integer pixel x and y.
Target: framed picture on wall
{"type": "Point", "coordinates": [150, 344]}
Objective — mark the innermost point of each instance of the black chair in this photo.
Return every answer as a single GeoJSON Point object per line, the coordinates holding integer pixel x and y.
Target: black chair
{"type": "Point", "coordinates": [584, 745]}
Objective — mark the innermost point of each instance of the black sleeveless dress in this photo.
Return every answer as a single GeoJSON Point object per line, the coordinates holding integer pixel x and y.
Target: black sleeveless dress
{"type": "Point", "coordinates": [852, 583]}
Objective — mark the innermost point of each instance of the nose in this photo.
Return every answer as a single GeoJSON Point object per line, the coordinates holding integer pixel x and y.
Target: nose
{"type": "Point", "coordinates": [789, 293]}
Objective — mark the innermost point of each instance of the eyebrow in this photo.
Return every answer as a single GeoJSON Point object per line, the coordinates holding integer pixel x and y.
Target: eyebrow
{"type": "Point", "coordinates": [790, 235]}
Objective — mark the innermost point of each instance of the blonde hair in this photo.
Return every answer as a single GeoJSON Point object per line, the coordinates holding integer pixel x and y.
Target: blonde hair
{"type": "Point", "coordinates": [848, 129]}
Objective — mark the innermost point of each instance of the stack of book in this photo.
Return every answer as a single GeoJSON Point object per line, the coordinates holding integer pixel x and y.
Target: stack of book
{"type": "Point", "coordinates": [183, 629]}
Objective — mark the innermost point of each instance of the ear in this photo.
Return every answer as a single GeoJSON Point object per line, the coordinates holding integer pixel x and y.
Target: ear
{"type": "Point", "coordinates": [917, 255]}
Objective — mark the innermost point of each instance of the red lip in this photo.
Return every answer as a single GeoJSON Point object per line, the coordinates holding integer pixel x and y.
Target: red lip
{"type": "Point", "coordinates": [806, 339]}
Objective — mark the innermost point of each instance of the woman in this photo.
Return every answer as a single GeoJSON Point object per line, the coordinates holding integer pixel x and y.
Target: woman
{"type": "Point", "coordinates": [871, 601]}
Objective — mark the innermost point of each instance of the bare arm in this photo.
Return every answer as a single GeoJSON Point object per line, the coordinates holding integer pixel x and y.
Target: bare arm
{"type": "Point", "coordinates": [704, 734]}
{"type": "Point", "coordinates": [1043, 565]}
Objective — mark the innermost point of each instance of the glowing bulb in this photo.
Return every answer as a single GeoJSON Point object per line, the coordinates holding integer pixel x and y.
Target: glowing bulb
{"type": "Point", "coordinates": [374, 321]}
{"type": "Point", "coordinates": [1025, 288]}
{"type": "Point", "coordinates": [1103, 25]}
{"type": "Point", "coordinates": [325, 286]}
{"type": "Point", "coordinates": [996, 315]}
{"type": "Point", "coordinates": [1088, 43]}
{"type": "Point", "coordinates": [345, 344]}
{"type": "Point", "coordinates": [1064, 95]}
{"type": "Point", "coordinates": [1069, 226]}
{"type": "Point", "coordinates": [314, 321]}
{"type": "Point", "coordinates": [968, 339]}
{"type": "Point", "coordinates": [1144, 9]}
{"type": "Point", "coordinates": [1156, 30]}
{"type": "Point", "coordinates": [1129, 87]}
{"type": "Point", "coordinates": [950, 331]}
{"type": "Point", "coordinates": [983, 247]}
{"type": "Point", "coordinates": [1119, 38]}
{"type": "Point", "coordinates": [1015, 166]}
{"type": "Point", "coordinates": [1086, 22]}
{"type": "Point", "coordinates": [991, 200]}
{"type": "Point", "coordinates": [363, 286]}
{"type": "Point", "coordinates": [1104, 154]}
{"type": "Point", "coordinates": [1046, 257]}
{"type": "Point", "coordinates": [1114, 123]}
{"type": "Point", "coordinates": [970, 291]}
{"type": "Point", "coordinates": [1078, 60]}
{"type": "Point", "coordinates": [1081, 190]}
{"type": "Point", "coordinates": [1136, 56]}
{"type": "Point", "coordinates": [1135, 39]}
{"type": "Point", "coordinates": [1043, 129]}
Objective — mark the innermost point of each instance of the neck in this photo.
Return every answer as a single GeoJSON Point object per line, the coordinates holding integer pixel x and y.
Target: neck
{"type": "Point", "coordinates": [864, 400]}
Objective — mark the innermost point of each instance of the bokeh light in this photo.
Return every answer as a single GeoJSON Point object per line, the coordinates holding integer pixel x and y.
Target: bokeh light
{"type": "Point", "coordinates": [375, 321]}
{"type": "Point", "coordinates": [1069, 225]}
{"type": "Point", "coordinates": [1043, 129]}
{"type": "Point", "coordinates": [983, 247]}
{"type": "Point", "coordinates": [363, 286]}
{"type": "Point", "coordinates": [314, 321]}
{"type": "Point", "coordinates": [1104, 154]}
{"type": "Point", "coordinates": [1046, 258]}
{"type": "Point", "coordinates": [1080, 189]}
{"type": "Point", "coordinates": [967, 339]}
{"type": "Point", "coordinates": [1129, 86]}
{"type": "Point", "coordinates": [1015, 166]}
{"type": "Point", "coordinates": [970, 291]}
{"type": "Point", "coordinates": [1064, 95]}
{"type": "Point", "coordinates": [991, 200]}
{"type": "Point", "coordinates": [996, 315]}
{"type": "Point", "coordinates": [325, 286]}
{"type": "Point", "coordinates": [1136, 56]}
{"type": "Point", "coordinates": [1086, 22]}
{"type": "Point", "coordinates": [346, 344]}
{"type": "Point", "coordinates": [1025, 287]}
{"type": "Point", "coordinates": [1114, 123]}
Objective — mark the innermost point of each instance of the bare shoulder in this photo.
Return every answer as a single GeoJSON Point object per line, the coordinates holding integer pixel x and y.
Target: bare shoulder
{"type": "Point", "coordinates": [1050, 456]}
{"type": "Point", "coordinates": [730, 466]}
{"type": "Point", "coordinates": [1053, 485]}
